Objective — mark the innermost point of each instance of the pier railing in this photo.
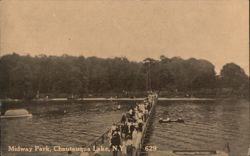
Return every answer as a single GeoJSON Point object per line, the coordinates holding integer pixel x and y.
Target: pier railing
{"type": "Point", "coordinates": [139, 149]}
{"type": "Point", "coordinates": [100, 140]}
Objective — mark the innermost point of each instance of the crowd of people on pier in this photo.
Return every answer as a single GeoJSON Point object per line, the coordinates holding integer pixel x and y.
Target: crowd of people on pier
{"type": "Point", "coordinates": [131, 123]}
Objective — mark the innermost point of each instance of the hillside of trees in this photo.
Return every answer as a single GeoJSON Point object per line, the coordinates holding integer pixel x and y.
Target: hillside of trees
{"type": "Point", "coordinates": [23, 77]}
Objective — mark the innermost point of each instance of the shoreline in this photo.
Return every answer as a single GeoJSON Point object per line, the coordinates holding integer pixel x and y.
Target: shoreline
{"type": "Point", "coordinates": [122, 99]}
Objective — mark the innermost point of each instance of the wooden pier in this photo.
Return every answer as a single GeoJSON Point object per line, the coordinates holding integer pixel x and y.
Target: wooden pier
{"type": "Point", "coordinates": [135, 143]}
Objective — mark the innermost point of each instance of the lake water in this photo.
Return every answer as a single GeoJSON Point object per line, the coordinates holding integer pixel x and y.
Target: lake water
{"type": "Point", "coordinates": [208, 125]}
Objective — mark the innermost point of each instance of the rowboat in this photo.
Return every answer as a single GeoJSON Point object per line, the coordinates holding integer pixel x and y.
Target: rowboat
{"type": "Point", "coordinates": [171, 120]}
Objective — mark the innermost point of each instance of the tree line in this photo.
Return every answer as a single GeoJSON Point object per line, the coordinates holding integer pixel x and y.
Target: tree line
{"type": "Point", "coordinates": [63, 76]}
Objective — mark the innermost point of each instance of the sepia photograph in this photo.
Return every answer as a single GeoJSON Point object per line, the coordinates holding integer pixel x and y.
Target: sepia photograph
{"type": "Point", "coordinates": [124, 78]}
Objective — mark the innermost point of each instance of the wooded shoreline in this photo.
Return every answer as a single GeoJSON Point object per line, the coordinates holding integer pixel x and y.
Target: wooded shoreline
{"type": "Point", "coordinates": [34, 77]}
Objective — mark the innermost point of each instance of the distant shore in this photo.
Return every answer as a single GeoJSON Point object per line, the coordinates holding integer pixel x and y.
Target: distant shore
{"type": "Point", "coordinates": [121, 99]}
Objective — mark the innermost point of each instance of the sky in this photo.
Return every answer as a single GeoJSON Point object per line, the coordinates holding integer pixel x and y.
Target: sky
{"type": "Point", "coordinates": [215, 30]}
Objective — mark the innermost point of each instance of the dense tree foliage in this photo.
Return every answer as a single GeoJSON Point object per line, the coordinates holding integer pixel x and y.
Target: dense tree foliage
{"type": "Point", "coordinates": [26, 76]}
{"type": "Point", "coordinates": [233, 76]}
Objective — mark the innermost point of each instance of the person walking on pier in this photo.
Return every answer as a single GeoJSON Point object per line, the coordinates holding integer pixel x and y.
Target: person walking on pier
{"type": "Point", "coordinates": [113, 128]}
{"type": "Point", "coordinates": [145, 115]}
{"type": "Point", "coordinates": [124, 119]}
{"type": "Point", "coordinates": [140, 125]}
{"type": "Point", "coordinates": [132, 128]}
{"type": "Point", "coordinates": [124, 130]}
{"type": "Point", "coordinates": [116, 143]}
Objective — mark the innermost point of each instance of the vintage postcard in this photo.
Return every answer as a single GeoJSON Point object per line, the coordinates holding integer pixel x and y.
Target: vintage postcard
{"type": "Point", "coordinates": [124, 78]}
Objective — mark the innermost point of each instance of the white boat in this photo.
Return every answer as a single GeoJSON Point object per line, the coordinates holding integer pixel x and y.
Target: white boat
{"type": "Point", "coordinates": [16, 113]}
